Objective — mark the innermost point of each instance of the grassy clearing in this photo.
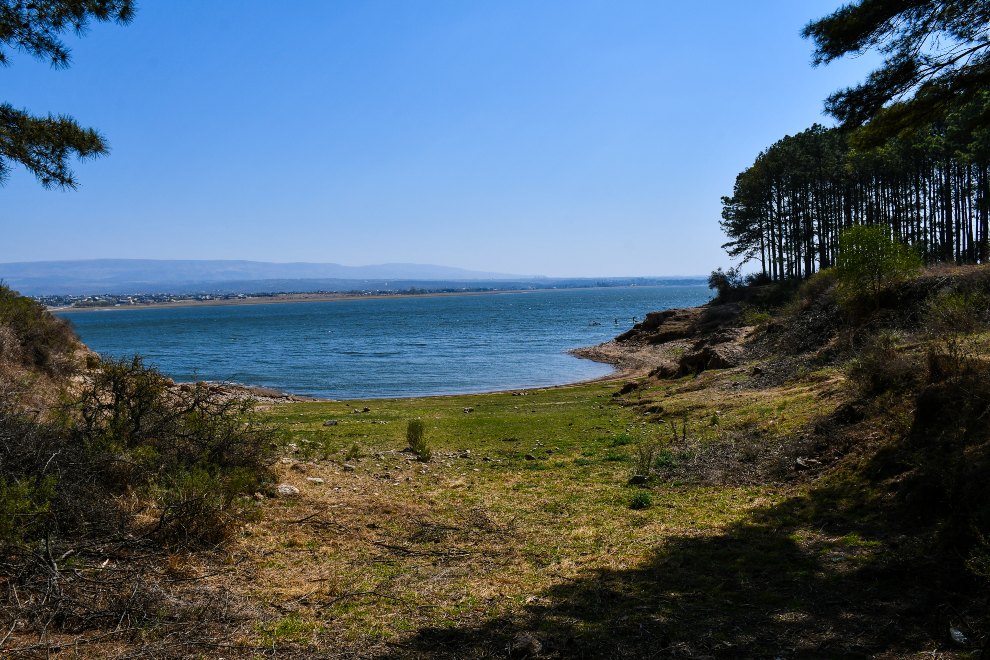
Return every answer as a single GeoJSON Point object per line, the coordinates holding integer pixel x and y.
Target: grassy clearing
{"type": "Point", "coordinates": [526, 494]}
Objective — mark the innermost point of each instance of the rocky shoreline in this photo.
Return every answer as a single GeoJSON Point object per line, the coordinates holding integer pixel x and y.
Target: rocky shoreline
{"type": "Point", "coordinates": [675, 342]}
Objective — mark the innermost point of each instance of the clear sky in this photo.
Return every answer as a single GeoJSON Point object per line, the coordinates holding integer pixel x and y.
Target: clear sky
{"type": "Point", "coordinates": [559, 138]}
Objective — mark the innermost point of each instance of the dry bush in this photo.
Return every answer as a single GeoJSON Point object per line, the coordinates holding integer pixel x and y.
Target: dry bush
{"type": "Point", "coordinates": [882, 367]}
{"type": "Point", "coordinates": [92, 499]}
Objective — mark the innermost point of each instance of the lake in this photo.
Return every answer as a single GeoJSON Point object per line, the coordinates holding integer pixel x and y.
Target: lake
{"type": "Point", "coordinates": [386, 347]}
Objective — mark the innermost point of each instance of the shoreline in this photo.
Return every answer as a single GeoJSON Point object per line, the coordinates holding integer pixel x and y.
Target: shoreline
{"type": "Point", "coordinates": [293, 298]}
{"type": "Point", "coordinates": [626, 362]}
{"type": "Point", "coordinates": [270, 395]}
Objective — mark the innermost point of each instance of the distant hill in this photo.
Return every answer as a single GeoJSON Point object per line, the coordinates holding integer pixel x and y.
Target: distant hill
{"type": "Point", "coordinates": [145, 275]}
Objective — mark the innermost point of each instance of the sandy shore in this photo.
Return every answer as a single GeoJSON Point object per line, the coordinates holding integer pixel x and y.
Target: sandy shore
{"type": "Point", "coordinates": [286, 298]}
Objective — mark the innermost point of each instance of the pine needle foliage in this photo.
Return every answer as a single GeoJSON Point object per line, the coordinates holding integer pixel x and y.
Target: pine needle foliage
{"type": "Point", "coordinates": [44, 144]}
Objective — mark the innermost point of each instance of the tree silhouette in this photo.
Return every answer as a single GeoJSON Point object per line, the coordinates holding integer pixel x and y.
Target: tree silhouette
{"type": "Point", "coordinates": [936, 55]}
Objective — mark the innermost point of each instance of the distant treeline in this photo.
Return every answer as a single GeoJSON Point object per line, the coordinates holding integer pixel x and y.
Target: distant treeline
{"type": "Point", "coordinates": [931, 187]}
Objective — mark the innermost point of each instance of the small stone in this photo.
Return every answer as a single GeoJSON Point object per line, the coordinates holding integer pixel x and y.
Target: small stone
{"type": "Point", "coordinates": [465, 454]}
{"type": "Point", "coordinates": [330, 422]}
{"type": "Point", "coordinates": [348, 467]}
{"type": "Point", "coordinates": [259, 496]}
{"type": "Point", "coordinates": [958, 637]}
{"type": "Point", "coordinates": [314, 480]}
{"type": "Point", "coordinates": [525, 645]}
{"type": "Point", "coordinates": [286, 490]}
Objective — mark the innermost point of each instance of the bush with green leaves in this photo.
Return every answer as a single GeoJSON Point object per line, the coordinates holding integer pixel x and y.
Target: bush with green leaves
{"type": "Point", "coordinates": [642, 499]}
{"type": "Point", "coordinates": [124, 466]}
{"type": "Point", "coordinates": [725, 281]}
{"type": "Point", "coordinates": [870, 260]}
{"type": "Point", "coordinates": [415, 436]}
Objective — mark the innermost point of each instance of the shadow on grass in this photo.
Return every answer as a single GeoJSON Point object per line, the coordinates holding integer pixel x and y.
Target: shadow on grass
{"type": "Point", "coordinates": [817, 575]}
{"type": "Point", "coordinates": [871, 561]}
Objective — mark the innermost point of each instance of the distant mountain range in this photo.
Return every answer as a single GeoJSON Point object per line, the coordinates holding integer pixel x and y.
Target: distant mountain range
{"type": "Point", "coordinates": [150, 275]}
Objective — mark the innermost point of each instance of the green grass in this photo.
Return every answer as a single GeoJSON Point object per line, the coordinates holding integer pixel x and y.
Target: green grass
{"type": "Point", "coordinates": [481, 528]}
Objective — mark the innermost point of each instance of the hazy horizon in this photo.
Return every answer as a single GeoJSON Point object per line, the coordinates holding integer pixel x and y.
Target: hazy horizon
{"type": "Point", "coordinates": [345, 265]}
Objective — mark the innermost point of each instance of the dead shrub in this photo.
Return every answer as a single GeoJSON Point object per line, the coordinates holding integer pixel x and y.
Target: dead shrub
{"type": "Point", "coordinates": [882, 367]}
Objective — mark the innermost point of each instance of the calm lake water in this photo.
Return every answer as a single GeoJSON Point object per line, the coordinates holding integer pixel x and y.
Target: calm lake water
{"type": "Point", "coordinates": [387, 347]}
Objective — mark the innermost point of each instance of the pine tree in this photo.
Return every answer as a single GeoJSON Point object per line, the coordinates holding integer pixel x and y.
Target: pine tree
{"type": "Point", "coordinates": [45, 144]}
{"type": "Point", "coordinates": [937, 55]}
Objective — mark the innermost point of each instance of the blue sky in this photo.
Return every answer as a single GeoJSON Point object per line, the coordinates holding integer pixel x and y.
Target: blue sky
{"type": "Point", "coordinates": [570, 138]}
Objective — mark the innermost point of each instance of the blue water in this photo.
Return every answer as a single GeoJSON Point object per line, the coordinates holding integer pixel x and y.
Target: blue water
{"type": "Point", "coordinates": [387, 347]}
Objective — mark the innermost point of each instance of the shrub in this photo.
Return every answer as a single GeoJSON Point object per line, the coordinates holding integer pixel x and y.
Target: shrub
{"type": "Point", "coordinates": [881, 367]}
{"type": "Point", "coordinates": [869, 261]}
{"type": "Point", "coordinates": [180, 453]}
{"type": "Point", "coordinates": [353, 452]}
{"type": "Point", "coordinates": [665, 460]}
{"type": "Point", "coordinates": [956, 312]}
{"type": "Point", "coordinates": [725, 282]}
{"type": "Point", "coordinates": [646, 453]}
{"type": "Point", "coordinates": [817, 285]}
{"type": "Point", "coordinates": [755, 317]}
{"type": "Point", "coordinates": [198, 507]}
{"type": "Point", "coordinates": [641, 500]}
{"type": "Point", "coordinates": [34, 337]}
{"type": "Point", "coordinates": [758, 279]}
{"type": "Point", "coordinates": [417, 441]}
{"type": "Point", "coordinates": [24, 507]}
